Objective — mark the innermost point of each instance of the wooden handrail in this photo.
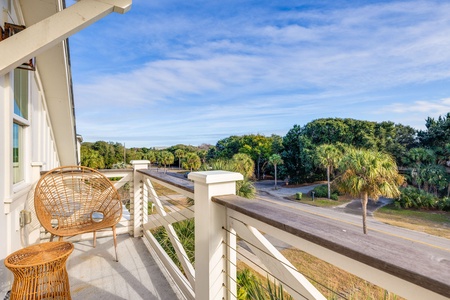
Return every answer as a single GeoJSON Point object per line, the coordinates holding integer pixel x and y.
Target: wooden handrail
{"type": "Point", "coordinates": [412, 263]}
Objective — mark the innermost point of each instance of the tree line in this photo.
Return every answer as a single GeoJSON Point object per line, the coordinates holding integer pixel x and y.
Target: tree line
{"type": "Point", "coordinates": [423, 156]}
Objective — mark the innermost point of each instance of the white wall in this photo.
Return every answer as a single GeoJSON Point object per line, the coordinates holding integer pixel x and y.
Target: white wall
{"type": "Point", "coordinates": [39, 154]}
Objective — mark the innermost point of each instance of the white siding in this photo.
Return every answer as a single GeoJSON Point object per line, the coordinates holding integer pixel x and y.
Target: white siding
{"type": "Point", "coordinates": [38, 145]}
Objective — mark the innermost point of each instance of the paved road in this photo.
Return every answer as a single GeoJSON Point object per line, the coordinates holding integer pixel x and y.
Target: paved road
{"type": "Point", "coordinates": [341, 216]}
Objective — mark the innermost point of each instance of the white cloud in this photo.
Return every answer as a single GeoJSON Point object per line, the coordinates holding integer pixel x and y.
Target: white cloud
{"type": "Point", "coordinates": [208, 70]}
{"type": "Point", "coordinates": [439, 107]}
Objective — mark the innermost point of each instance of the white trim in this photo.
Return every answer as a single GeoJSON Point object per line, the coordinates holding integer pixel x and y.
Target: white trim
{"type": "Point", "coordinates": [49, 32]}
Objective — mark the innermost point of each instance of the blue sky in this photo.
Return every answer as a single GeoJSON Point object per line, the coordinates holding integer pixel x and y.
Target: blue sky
{"type": "Point", "coordinates": [191, 72]}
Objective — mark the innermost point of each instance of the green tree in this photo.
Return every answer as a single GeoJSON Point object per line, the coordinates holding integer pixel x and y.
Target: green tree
{"type": "Point", "coordinates": [91, 158]}
{"type": "Point", "coordinates": [180, 154]}
{"type": "Point", "coordinates": [434, 178]}
{"type": "Point", "coordinates": [166, 158]}
{"type": "Point", "coordinates": [257, 146]}
{"type": "Point", "coordinates": [368, 173]}
{"type": "Point", "coordinates": [437, 133]}
{"type": "Point", "coordinates": [275, 160]}
{"type": "Point", "coordinates": [297, 156]}
{"type": "Point", "coordinates": [327, 156]}
{"type": "Point", "coordinates": [403, 140]}
{"type": "Point", "coordinates": [244, 188]}
{"type": "Point", "coordinates": [150, 156]}
{"type": "Point", "coordinates": [244, 164]}
{"type": "Point", "coordinates": [111, 152]}
{"type": "Point", "coordinates": [417, 158]}
{"type": "Point", "coordinates": [134, 154]}
{"type": "Point", "coordinates": [348, 131]}
{"type": "Point", "coordinates": [227, 147]}
{"type": "Point", "coordinates": [191, 161]}
{"type": "Point", "coordinates": [202, 153]}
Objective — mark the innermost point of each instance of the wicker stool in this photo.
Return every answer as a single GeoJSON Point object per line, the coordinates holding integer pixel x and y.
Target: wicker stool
{"type": "Point", "coordinates": [40, 271]}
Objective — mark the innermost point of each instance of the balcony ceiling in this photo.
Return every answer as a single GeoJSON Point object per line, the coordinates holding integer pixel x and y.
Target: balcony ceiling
{"type": "Point", "coordinates": [54, 70]}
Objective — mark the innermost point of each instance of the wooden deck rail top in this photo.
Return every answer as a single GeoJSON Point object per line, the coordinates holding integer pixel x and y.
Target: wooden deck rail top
{"type": "Point", "coordinates": [383, 252]}
{"type": "Point", "coordinates": [176, 179]}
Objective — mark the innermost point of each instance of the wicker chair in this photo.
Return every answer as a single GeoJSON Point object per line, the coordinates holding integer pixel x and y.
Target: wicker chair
{"type": "Point", "coordinates": [72, 200]}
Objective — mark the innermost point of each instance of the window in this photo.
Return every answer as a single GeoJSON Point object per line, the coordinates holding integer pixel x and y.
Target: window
{"type": "Point", "coordinates": [20, 122]}
{"type": "Point", "coordinates": [17, 153]}
{"type": "Point", "coordinates": [21, 93]}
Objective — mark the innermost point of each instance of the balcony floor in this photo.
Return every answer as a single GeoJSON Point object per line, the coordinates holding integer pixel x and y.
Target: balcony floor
{"type": "Point", "coordinates": [93, 273]}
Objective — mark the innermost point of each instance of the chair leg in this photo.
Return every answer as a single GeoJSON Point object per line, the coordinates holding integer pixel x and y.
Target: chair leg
{"type": "Point", "coordinates": [115, 241]}
{"type": "Point", "coordinates": [95, 238]}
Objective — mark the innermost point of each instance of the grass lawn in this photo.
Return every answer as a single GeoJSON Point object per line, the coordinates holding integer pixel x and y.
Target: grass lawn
{"type": "Point", "coordinates": [331, 281]}
{"type": "Point", "coordinates": [328, 278]}
{"type": "Point", "coordinates": [429, 221]}
{"type": "Point", "coordinates": [322, 202]}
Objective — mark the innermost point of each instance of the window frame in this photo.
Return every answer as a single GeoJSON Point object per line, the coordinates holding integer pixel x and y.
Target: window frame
{"type": "Point", "coordinates": [19, 175]}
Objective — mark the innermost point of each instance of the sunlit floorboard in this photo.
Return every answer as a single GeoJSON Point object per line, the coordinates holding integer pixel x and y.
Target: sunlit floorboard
{"type": "Point", "coordinates": [94, 274]}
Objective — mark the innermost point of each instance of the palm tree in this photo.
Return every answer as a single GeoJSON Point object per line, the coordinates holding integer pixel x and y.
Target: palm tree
{"type": "Point", "coordinates": [275, 160]}
{"type": "Point", "coordinates": [91, 158]}
{"type": "Point", "coordinates": [151, 156]}
{"type": "Point", "coordinates": [191, 161]}
{"type": "Point", "coordinates": [244, 164]}
{"type": "Point", "coordinates": [368, 173]}
{"type": "Point", "coordinates": [166, 158]}
{"type": "Point", "coordinates": [417, 158]}
{"type": "Point", "coordinates": [434, 178]}
{"type": "Point", "coordinates": [327, 156]}
{"type": "Point", "coordinates": [179, 154]}
{"type": "Point", "coordinates": [244, 188]}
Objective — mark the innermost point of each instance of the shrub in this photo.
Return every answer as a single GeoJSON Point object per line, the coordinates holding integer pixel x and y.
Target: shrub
{"type": "Point", "coordinates": [321, 191]}
{"type": "Point", "coordinates": [412, 197]}
{"type": "Point", "coordinates": [444, 204]}
{"type": "Point", "coordinates": [245, 188]}
{"type": "Point", "coordinates": [250, 287]}
{"type": "Point", "coordinates": [185, 231]}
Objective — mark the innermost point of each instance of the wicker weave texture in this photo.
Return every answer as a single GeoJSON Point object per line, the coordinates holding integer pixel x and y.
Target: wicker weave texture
{"type": "Point", "coordinates": [72, 200]}
{"type": "Point", "coordinates": [40, 271]}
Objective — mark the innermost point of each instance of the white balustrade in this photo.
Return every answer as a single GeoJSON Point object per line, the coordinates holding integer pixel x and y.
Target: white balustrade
{"type": "Point", "coordinates": [218, 221]}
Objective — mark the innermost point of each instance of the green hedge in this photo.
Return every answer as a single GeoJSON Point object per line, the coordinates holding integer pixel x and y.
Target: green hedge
{"type": "Point", "coordinates": [412, 197]}
{"type": "Point", "coordinates": [321, 191]}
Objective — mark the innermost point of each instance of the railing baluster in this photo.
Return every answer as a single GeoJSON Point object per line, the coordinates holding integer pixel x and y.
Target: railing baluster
{"type": "Point", "coordinates": [138, 212]}
{"type": "Point", "coordinates": [181, 253]}
{"type": "Point", "coordinates": [297, 285]}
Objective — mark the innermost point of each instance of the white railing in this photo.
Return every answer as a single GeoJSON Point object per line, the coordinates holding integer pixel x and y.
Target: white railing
{"type": "Point", "coordinates": [220, 217]}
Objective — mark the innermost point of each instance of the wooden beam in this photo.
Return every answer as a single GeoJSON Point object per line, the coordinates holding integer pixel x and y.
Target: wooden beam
{"type": "Point", "coordinates": [45, 34]}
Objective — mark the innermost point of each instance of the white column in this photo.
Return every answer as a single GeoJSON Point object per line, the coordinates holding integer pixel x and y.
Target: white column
{"type": "Point", "coordinates": [6, 184]}
{"type": "Point", "coordinates": [47, 33]}
{"type": "Point", "coordinates": [139, 211]}
{"type": "Point", "coordinates": [211, 279]}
